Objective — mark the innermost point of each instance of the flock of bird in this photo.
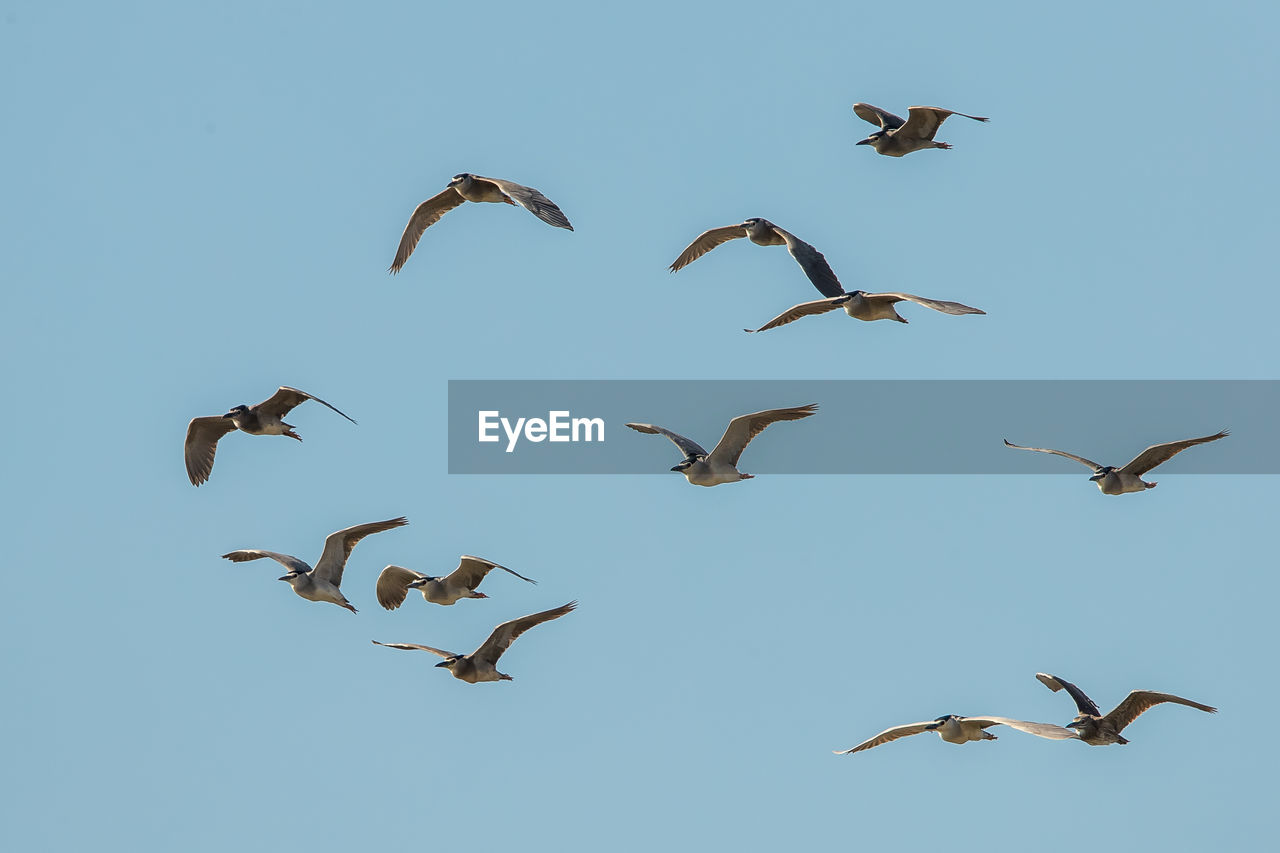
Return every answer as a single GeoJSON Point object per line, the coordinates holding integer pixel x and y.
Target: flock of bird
{"type": "Point", "coordinates": [895, 137]}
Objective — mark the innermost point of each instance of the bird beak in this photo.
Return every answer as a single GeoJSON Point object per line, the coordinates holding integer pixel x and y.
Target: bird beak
{"type": "Point", "coordinates": [285, 578]}
{"type": "Point", "coordinates": [675, 468]}
{"type": "Point", "coordinates": [442, 663]}
{"type": "Point", "coordinates": [414, 584]}
{"type": "Point", "coordinates": [867, 141]}
{"type": "Point", "coordinates": [1097, 477]}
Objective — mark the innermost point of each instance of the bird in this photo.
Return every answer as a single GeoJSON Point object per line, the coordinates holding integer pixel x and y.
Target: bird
{"type": "Point", "coordinates": [864, 306]}
{"type": "Point", "coordinates": [897, 137]}
{"type": "Point", "coordinates": [395, 582]}
{"type": "Point", "coordinates": [762, 232]}
{"type": "Point", "coordinates": [263, 419]}
{"type": "Point", "coordinates": [1119, 481]}
{"type": "Point", "coordinates": [1097, 730]}
{"type": "Point", "coordinates": [720, 465]}
{"type": "Point", "coordinates": [321, 583]}
{"type": "Point", "coordinates": [481, 665]}
{"type": "Point", "coordinates": [956, 729]}
{"type": "Point", "coordinates": [469, 187]}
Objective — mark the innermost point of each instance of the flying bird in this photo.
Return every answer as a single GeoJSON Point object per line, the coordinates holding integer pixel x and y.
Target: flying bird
{"type": "Point", "coordinates": [955, 729]}
{"type": "Point", "coordinates": [395, 582]}
{"type": "Point", "coordinates": [1119, 481]}
{"type": "Point", "coordinates": [864, 306]}
{"type": "Point", "coordinates": [262, 419]}
{"type": "Point", "coordinates": [481, 665]}
{"type": "Point", "coordinates": [321, 583]}
{"type": "Point", "coordinates": [897, 137]}
{"type": "Point", "coordinates": [1097, 730]}
{"type": "Point", "coordinates": [720, 465]}
{"type": "Point", "coordinates": [762, 232]}
{"type": "Point", "coordinates": [468, 187]}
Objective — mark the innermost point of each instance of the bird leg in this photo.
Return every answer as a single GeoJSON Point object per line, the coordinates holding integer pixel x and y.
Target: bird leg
{"type": "Point", "coordinates": [944, 145]}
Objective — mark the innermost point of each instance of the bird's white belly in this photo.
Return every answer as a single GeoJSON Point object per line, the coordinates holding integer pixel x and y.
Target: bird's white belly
{"type": "Point", "coordinates": [707, 475]}
{"type": "Point", "coordinates": [1121, 484]}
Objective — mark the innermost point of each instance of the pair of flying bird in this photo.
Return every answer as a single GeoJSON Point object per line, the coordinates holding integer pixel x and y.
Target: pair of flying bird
{"type": "Point", "coordinates": [322, 583]}
{"type": "Point", "coordinates": [1090, 725]}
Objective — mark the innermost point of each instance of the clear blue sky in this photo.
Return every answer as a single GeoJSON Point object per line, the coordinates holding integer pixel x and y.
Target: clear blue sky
{"type": "Point", "coordinates": [200, 204]}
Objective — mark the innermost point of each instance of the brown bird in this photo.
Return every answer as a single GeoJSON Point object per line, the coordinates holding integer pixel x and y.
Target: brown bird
{"type": "Point", "coordinates": [481, 665]}
{"type": "Point", "coordinates": [468, 187]}
{"type": "Point", "coordinates": [861, 305]}
{"type": "Point", "coordinates": [1097, 730]}
{"type": "Point", "coordinates": [897, 137]}
{"type": "Point", "coordinates": [263, 419]}
{"type": "Point", "coordinates": [395, 582]}
{"type": "Point", "coordinates": [762, 232]}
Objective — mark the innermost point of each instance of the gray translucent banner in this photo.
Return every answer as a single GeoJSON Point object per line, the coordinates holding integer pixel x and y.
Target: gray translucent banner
{"type": "Point", "coordinates": [862, 426]}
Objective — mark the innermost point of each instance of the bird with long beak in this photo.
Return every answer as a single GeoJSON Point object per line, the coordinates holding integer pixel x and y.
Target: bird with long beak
{"type": "Point", "coordinates": [898, 137]}
{"type": "Point", "coordinates": [1096, 729]}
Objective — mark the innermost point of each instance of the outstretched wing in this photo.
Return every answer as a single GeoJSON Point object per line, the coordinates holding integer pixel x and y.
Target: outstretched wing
{"type": "Point", "coordinates": [531, 200]}
{"type": "Point", "coordinates": [1140, 700]}
{"type": "Point", "coordinates": [795, 312]}
{"type": "Point", "coordinates": [286, 399]}
{"type": "Point", "coordinates": [1157, 454]}
{"type": "Point", "coordinates": [291, 563]}
{"type": "Point", "coordinates": [506, 633]}
{"type": "Point", "coordinates": [687, 446]}
{"type": "Point", "coordinates": [414, 647]}
{"type": "Point", "coordinates": [1083, 703]}
{"type": "Point", "coordinates": [707, 241]}
{"type": "Point", "coordinates": [923, 122]}
{"type": "Point", "coordinates": [472, 570]}
{"type": "Point", "coordinates": [936, 304]}
{"type": "Point", "coordinates": [337, 547]}
{"type": "Point", "coordinates": [875, 115]}
{"type": "Point", "coordinates": [815, 266]}
{"type": "Point", "coordinates": [743, 428]}
{"type": "Point", "coordinates": [890, 735]}
{"type": "Point", "coordinates": [1044, 730]}
{"type": "Point", "coordinates": [393, 585]}
{"type": "Point", "coordinates": [1094, 465]}
{"type": "Point", "coordinates": [427, 214]}
{"type": "Point", "coordinates": [201, 445]}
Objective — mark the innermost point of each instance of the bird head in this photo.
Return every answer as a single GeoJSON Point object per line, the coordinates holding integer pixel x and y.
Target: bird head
{"type": "Point", "coordinates": [236, 411]}
{"type": "Point", "coordinates": [873, 138]}
{"type": "Point", "coordinates": [447, 663]}
{"type": "Point", "coordinates": [939, 721]}
{"type": "Point", "coordinates": [684, 464]}
{"type": "Point", "coordinates": [419, 583]}
{"type": "Point", "coordinates": [460, 179]}
{"type": "Point", "coordinates": [290, 577]}
{"type": "Point", "coordinates": [1102, 472]}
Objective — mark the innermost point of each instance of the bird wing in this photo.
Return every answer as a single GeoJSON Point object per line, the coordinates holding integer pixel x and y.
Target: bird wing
{"type": "Point", "coordinates": [1158, 454]}
{"type": "Point", "coordinates": [687, 446]}
{"type": "Point", "coordinates": [1045, 730]}
{"type": "Point", "coordinates": [1140, 700]}
{"type": "Point", "coordinates": [743, 428]}
{"type": "Point", "coordinates": [936, 304]}
{"type": "Point", "coordinates": [875, 115]}
{"type": "Point", "coordinates": [1094, 465]}
{"type": "Point", "coordinates": [890, 735]}
{"type": "Point", "coordinates": [337, 547]}
{"type": "Point", "coordinates": [531, 200]}
{"type": "Point", "coordinates": [795, 312]}
{"type": "Point", "coordinates": [707, 241]}
{"type": "Point", "coordinates": [286, 399]}
{"type": "Point", "coordinates": [202, 444]}
{"type": "Point", "coordinates": [506, 633]}
{"type": "Point", "coordinates": [427, 214]}
{"type": "Point", "coordinates": [291, 563]}
{"type": "Point", "coordinates": [393, 585]}
{"type": "Point", "coordinates": [923, 122]}
{"type": "Point", "coordinates": [815, 266]}
{"type": "Point", "coordinates": [1083, 703]}
{"type": "Point", "coordinates": [472, 570]}
{"type": "Point", "coordinates": [414, 647]}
